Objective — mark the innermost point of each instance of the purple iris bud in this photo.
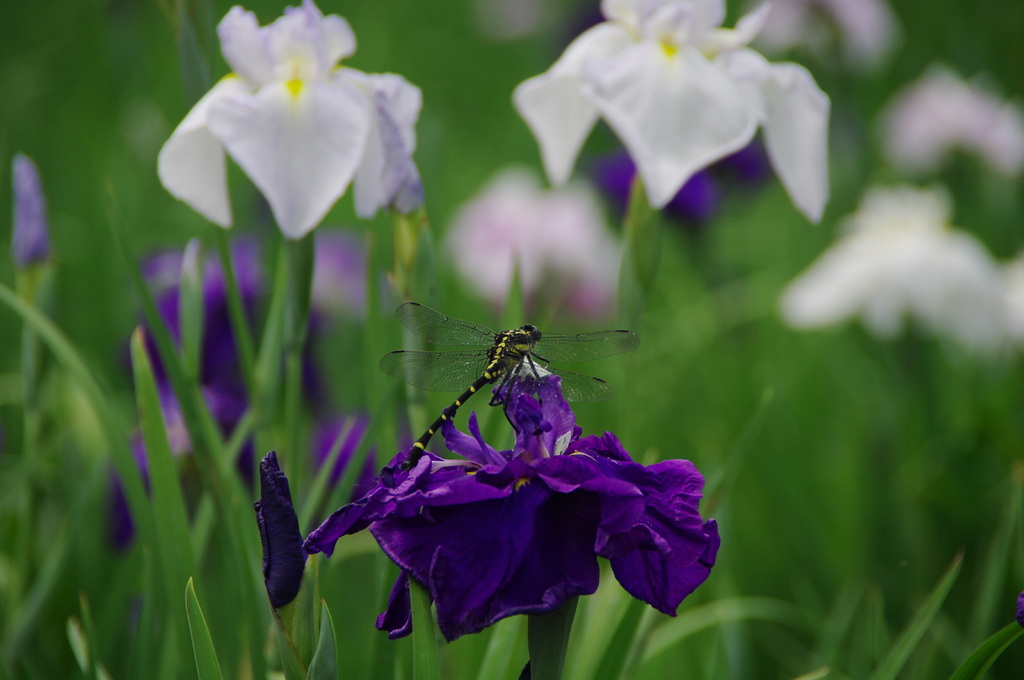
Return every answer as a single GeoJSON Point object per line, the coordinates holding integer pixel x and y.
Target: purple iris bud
{"type": "Point", "coordinates": [31, 242]}
{"type": "Point", "coordinates": [519, 531]}
{"type": "Point", "coordinates": [283, 556]}
{"type": "Point", "coordinates": [1020, 608]}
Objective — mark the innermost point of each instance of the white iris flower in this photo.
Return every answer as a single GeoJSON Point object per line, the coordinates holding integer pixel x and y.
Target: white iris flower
{"type": "Point", "coordinates": [300, 125]}
{"type": "Point", "coordinates": [681, 93]}
{"type": "Point", "coordinates": [899, 259]}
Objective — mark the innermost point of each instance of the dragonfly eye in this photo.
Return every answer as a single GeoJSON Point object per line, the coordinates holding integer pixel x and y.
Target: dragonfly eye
{"type": "Point", "coordinates": [532, 331]}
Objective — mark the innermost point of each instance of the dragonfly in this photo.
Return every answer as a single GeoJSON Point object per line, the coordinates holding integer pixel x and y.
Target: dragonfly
{"type": "Point", "coordinates": [498, 357]}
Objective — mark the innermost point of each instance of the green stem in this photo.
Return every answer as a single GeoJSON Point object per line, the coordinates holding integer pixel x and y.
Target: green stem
{"type": "Point", "coordinates": [300, 285]}
{"type": "Point", "coordinates": [641, 253]}
{"type": "Point", "coordinates": [548, 639]}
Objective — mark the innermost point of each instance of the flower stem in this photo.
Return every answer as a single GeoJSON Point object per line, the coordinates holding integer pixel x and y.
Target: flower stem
{"type": "Point", "coordinates": [548, 638]}
{"type": "Point", "coordinates": [641, 253]}
{"type": "Point", "coordinates": [300, 284]}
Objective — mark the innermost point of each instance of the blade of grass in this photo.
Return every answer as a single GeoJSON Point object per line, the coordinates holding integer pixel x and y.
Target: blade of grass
{"type": "Point", "coordinates": [424, 655]}
{"type": "Point", "coordinates": [896, 657]}
{"type": "Point", "coordinates": [202, 646]}
{"type": "Point", "coordinates": [978, 663]}
{"type": "Point", "coordinates": [170, 521]}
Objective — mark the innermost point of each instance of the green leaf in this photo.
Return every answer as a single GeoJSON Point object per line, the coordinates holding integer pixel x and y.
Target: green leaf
{"type": "Point", "coordinates": [548, 636]}
{"type": "Point", "coordinates": [975, 666]}
{"type": "Point", "coordinates": [170, 520]}
{"type": "Point", "coordinates": [621, 643]}
{"type": "Point", "coordinates": [325, 662]}
{"type": "Point", "coordinates": [306, 627]}
{"type": "Point", "coordinates": [719, 612]}
{"type": "Point", "coordinates": [236, 310]}
{"type": "Point", "coordinates": [202, 645]}
{"type": "Point", "coordinates": [892, 664]}
{"type": "Point", "coordinates": [424, 643]}
{"type": "Point", "coordinates": [498, 657]}
{"type": "Point", "coordinates": [113, 426]}
{"type": "Point", "coordinates": [190, 308]}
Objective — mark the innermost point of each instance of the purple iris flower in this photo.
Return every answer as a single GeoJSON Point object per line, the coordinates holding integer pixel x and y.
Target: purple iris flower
{"type": "Point", "coordinates": [283, 556]}
{"type": "Point", "coordinates": [1020, 609]}
{"type": "Point", "coordinates": [520, 531]}
{"type": "Point", "coordinates": [31, 242]}
{"type": "Point", "coordinates": [698, 200]}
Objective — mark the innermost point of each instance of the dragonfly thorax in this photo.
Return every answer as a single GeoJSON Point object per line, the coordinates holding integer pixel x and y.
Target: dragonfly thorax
{"type": "Point", "coordinates": [510, 348]}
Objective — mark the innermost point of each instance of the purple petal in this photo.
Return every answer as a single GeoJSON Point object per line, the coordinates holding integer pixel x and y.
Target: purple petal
{"type": "Point", "coordinates": [481, 562]}
{"type": "Point", "coordinates": [1020, 609]}
{"type": "Point", "coordinates": [397, 618]}
{"type": "Point", "coordinates": [283, 556]}
{"type": "Point", "coordinates": [31, 240]}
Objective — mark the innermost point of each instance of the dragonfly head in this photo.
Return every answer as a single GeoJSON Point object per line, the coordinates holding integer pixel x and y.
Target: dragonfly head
{"type": "Point", "coordinates": [532, 332]}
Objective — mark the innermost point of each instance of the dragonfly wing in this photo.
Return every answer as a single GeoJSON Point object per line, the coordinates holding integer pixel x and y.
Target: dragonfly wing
{"type": "Point", "coordinates": [579, 387]}
{"type": "Point", "coordinates": [585, 346]}
{"type": "Point", "coordinates": [434, 327]}
{"type": "Point", "coordinates": [435, 371]}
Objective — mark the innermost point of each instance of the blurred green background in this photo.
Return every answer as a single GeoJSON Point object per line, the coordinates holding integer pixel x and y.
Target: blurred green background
{"type": "Point", "coordinates": [849, 472]}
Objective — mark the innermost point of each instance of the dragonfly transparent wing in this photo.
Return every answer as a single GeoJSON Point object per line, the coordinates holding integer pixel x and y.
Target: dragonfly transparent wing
{"type": "Point", "coordinates": [584, 346]}
{"type": "Point", "coordinates": [575, 386]}
{"type": "Point", "coordinates": [435, 371]}
{"type": "Point", "coordinates": [434, 327]}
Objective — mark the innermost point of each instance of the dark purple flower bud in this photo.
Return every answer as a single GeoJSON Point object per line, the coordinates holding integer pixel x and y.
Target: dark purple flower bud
{"type": "Point", "coordinates": [31, 242]}
{"type": "Point", "coordinates": [1020, 608]}
{"type": "Point", "coordinates": [283, 556]}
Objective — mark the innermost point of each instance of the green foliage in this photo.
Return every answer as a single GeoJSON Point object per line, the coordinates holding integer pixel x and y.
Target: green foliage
{"type": "Point", "coordinates": [846, 472]}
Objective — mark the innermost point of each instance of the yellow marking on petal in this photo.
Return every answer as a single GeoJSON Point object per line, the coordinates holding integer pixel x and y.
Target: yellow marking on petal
{"type": "Point", "coordinates": [669, 49]}
{"type": "Point", "coordinates": [520, 483]}
{"type": "Point", "coordinates": [294, 86]}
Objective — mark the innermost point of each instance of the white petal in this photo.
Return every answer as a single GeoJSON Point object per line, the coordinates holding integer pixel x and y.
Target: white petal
{"type": "Point", "coordinates": [245, 47]}
{"type": "Point", "coordinates": [747, 28]}
{"type": "Point", "coordinates": [553, 106]}
{"type": "Point", "coordinates": [306, 45]}
{"type": "Point", "coordinates": [300, 148]}
{"type": "Point", "coordinates": [387, 175]}
{"type": "Point", "coordinates": [191, 163]}
{"type": "Point", "coordinates": [796, 136]}
{"type": "Point", "coordinates": [675, 114]}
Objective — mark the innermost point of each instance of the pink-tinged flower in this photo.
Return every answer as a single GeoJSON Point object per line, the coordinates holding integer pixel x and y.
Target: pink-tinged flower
{"type": "Point", "coordinates": [301, 125]}
{"type": "Point", "coordinates": [519, 531]}
{"type": "Point", "coordinates": [555, 243]}
{"type": "Point", "coordinates": [866, 30]}
{"type": "Point", "coordinates": [681, 93]}
{"type": "Point", "coordinates": [940, 113]}
{"type": "Point", "coordinates": [900, 259]}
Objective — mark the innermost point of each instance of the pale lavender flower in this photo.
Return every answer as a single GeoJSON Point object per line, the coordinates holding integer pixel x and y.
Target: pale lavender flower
{"type": "Point", "coordinates": [301, 125]}
{"type": "Point", "coordinates": [866, 30]}
{"type": "Point", "coordinates": [899, 258]}
{"type": "Point", "coordinates": [940, 113]}
{"type": "Point", "coordinates": [554, 242]}
{"type": "Point", "coordinates": [31, 241]}
{"type": "Point", "coordinates": [339, 275]}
